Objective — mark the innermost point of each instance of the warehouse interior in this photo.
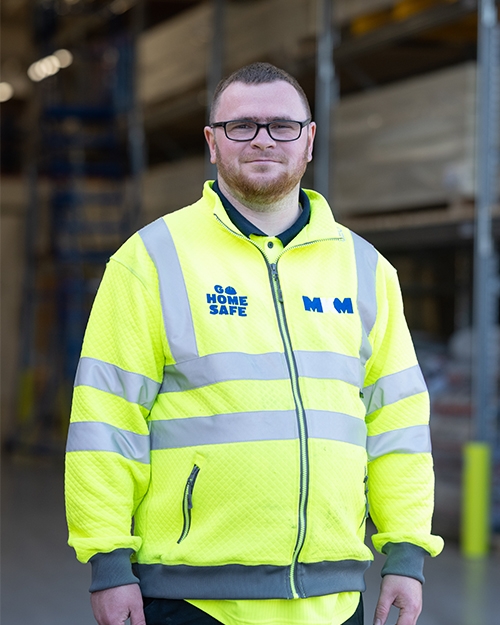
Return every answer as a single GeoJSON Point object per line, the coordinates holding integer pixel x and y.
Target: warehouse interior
{"type": "Point", "coordinates": [103, 104]}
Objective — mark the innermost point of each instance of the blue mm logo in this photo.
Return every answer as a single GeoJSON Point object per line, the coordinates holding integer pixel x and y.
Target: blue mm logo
{"type": "Point", "coordinates": [327, 304]}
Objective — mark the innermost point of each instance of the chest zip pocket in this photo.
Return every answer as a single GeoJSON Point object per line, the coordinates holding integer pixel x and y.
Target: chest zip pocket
{"type": "Point", "coordinates": [187, 502]}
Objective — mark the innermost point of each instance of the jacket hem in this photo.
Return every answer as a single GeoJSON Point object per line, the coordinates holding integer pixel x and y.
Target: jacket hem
{"type": "Point", "coordinates": [239, 582]}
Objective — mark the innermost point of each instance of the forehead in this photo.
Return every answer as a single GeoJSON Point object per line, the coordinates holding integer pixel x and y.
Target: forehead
{"type": "Point", "coordinates": [266, 101]}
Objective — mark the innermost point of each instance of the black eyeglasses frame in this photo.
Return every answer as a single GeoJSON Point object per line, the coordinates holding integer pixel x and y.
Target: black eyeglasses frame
{"type": "Point", "coordinates": [259, 126]}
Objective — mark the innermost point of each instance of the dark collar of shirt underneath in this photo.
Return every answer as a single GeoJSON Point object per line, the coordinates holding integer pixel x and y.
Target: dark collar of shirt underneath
{"type": "Point", "coordinates": [247, 227]}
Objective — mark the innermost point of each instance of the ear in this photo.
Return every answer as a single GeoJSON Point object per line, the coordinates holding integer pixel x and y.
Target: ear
{"type": "Point", "coordinates": [210, 139]}
{"type": "Point", "coordinates": [311, 133]}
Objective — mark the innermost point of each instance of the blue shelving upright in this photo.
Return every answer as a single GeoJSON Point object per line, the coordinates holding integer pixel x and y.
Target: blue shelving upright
{"type": "Point", "coordinates": [88, 159]}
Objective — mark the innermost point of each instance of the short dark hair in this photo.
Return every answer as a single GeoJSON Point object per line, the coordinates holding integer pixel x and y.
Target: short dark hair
{"type": "Point", "coordinates": [257, 74]}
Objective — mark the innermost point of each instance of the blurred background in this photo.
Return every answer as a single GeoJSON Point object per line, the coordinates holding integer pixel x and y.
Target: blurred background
{"type": "Point", "coordinates": [103, 103]}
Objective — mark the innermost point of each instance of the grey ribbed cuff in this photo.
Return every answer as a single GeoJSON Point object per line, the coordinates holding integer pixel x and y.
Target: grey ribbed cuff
{"type": "Point", "coordinates": [404, 559]}
{"type": "Point", "coordinates": [112, 569]}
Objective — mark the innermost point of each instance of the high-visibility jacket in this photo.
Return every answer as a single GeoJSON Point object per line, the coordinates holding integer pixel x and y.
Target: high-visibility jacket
{"type": "Point", "coordinates": [247, 414]}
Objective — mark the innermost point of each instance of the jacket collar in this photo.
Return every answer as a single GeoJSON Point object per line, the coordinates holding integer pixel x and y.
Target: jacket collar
{"type": "Point", "coordinates": [247, 227]}
{"type": "Point", "coordinates": [321, 224]}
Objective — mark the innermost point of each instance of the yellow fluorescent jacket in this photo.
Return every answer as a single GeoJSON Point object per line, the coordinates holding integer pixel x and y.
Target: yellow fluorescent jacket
{"type": "Point", "coordinates": [247, 414]}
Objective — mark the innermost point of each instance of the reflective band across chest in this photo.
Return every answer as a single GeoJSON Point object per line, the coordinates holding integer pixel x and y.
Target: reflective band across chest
{"type": "Point", "coordinates": [227, 366]}
{"type": "Point", "coordinates": [245, 427]}
{"type": "Point", "coordinates": [223, 428]}
{"type": "Point", "coordinates": [223, 367]}
{"type": "Point", "coordinates": [328, 366]}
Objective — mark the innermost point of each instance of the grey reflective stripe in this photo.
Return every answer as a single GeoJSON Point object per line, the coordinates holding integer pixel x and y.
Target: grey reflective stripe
{"type": "Point", "coordinates": [242, 427]}
{"type": "Point", "coordinates": [173, 293]}
{"type": "Point", "coordinates": [336, 426]}
{"type": "Point", "coordinates": [133, 387]}
{"type": "Point", "coordinates": [366, 269]}
{"type": "Point", "coordinates": [239, 581]}
{"type": "Point", "coordinates": [98, 436]}
{"type": "Point", "coordinates": [236, 427]}
{"type": "Point", "coordinates": [223, 367]}
{"type": "Point", "coordinates": [415, 439]}
{"type": "Point", "coordinates": [228, 366]}
{"type": "Point", "coordinates": [328, 365]}
{"type": "Point", "coordinates": [391, 388]}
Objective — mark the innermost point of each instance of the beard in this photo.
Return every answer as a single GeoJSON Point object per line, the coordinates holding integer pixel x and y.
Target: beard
{"type": "Point", "coordinates": [261, 195]}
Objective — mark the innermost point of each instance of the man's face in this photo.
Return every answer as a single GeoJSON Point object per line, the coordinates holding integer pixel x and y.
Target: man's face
{"type": "Point", "coordinates": [262, 171]}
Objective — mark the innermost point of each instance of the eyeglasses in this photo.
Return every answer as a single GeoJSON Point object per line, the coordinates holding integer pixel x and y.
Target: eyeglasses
{"type": "Point", "coordinates": [278, 130]}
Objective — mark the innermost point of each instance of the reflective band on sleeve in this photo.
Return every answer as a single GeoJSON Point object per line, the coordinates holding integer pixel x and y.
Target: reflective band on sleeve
{"type": "Point", "coordinates": [98, 436]}
{"type": "Point", "coordinates": [239, 427]}
{"type": "Point", "coordinates": [328, 366]}
{"type": "Point", "coordinates": [133, 387]}
{"type": "Point", "coordinates": [366, 268]}
{"type": "Point", "coordinates": [391, 388]}
{"type": "Point", "coordinates": [223, 367]}
{"type": "Point", "coordinates": [173, 293]}
{"type": "Point", "coordinates": [336, 426]}
{"type": "Point", "coordinates": [412, 440]}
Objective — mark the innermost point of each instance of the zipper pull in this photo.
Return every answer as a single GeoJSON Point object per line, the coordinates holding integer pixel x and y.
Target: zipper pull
{"type": "Point", "coordinates": [190, 486]}
{"type": "Point", "coordinates": [274, 271]}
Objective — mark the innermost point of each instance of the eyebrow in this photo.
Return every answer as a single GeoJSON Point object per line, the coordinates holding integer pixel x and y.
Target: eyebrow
{"type": "Point", "coordinates": [275, 118]}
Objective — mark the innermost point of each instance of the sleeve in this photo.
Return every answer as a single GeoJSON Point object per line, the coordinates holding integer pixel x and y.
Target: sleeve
{"type": "Point", "coordinates": [107, 456]}
{"type": "Point", "coordinates": [400, 466]}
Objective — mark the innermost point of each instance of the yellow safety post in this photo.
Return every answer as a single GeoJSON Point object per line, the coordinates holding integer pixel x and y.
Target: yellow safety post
{"type": "Point", "coordinates": [26, 396]}
{"type": "Point", "coordinates": [475, 531]}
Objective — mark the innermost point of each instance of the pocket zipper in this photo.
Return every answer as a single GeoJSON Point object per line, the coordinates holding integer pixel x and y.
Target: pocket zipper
{"type": "Point", "coordinates": [367, 505]}
{"type": "Point", "coordinates": [187, 502]}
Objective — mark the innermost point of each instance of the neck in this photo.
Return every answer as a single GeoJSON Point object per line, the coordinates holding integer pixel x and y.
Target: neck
{"type": "Point", "coordinates": [272, 218]}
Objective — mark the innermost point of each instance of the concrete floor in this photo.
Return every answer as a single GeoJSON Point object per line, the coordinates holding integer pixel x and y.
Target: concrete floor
{"type": "Point", "coordinates": [43, 584]}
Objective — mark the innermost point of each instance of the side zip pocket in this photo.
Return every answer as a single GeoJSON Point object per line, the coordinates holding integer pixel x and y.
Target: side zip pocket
{"type": "Point", "coordinates": [367, 505]}
{"type": "Point", "coordinates": [187, 502]}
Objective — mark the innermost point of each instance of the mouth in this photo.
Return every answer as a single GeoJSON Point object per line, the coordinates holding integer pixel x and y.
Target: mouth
{"type": "Point", "coordinates": [262, 160]}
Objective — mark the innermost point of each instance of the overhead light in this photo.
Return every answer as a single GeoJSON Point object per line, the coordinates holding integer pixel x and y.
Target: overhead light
{"type": "Point", "coordinates": [50, 65]}
{"type": "Point", "coordinates": [6, 91]}
{"type": "Point", "coordinates": [64, 57]}
{"type": "Point", "coordinates": [34, 72]}
{"type": "Point", "coordinates": [120, 6]}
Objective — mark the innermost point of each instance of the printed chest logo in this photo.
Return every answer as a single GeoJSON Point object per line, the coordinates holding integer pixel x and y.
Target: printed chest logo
{"type": "Point", "coordinates": [328, 305]}
{"type": "Point", "coordinates": [225, 301]}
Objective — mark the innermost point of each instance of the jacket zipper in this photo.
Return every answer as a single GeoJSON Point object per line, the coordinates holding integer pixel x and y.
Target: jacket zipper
{"type": "Point", "coordinates": [299, 406]}
{"type": "Point", "coordinates": [187, 502]}
{"type": "Point", "coordinates": [302, 425]}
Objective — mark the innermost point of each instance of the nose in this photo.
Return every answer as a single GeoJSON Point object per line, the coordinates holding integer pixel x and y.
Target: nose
{"type": "Point", "coordinates": [263, 139]}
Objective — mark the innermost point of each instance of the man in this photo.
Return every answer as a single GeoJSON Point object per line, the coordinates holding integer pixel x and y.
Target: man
{"type": "Point", "coordinates": [247, 389]}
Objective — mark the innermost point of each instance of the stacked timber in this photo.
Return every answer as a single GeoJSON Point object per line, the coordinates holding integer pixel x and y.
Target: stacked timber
{"type": "Point", "coordinates": [406, 145]}
{"type": "Point", "coordinates": [173, 56]}
{"type": "Point", "coordinates": [170, 186]}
